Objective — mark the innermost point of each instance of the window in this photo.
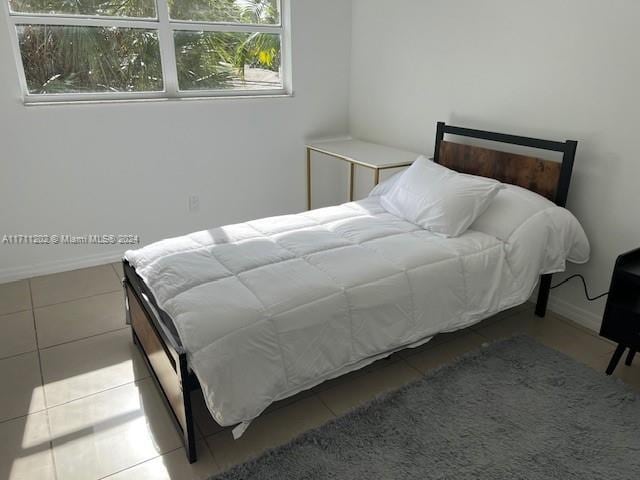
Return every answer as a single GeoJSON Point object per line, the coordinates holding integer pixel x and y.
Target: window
{"type": "Point", "coordinates": [119, 49]}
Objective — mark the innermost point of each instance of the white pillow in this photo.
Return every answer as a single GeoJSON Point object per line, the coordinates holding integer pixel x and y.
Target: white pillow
{"type": "Point", "coordinates": [438, 199]}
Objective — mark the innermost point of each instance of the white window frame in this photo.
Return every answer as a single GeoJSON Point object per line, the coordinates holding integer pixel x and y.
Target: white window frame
{"type": "Point", "coordinates": [165, 28]}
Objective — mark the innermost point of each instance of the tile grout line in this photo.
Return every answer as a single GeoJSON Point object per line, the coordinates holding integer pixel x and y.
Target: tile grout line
{"type": "Point", "coordinates": [335, 415]}
{"type": "Point", "coordinates": [47, 407]}
{"type": "Point", "coordinates": [67, 342]}
{"type": "Point", "coordinates": [35, 332]}
{"type": "Point", "coordinates": [581, 328]}
{"type": "Point", "coordinates": [422, 374]}
{"type": "Point", "coordinates": [44, 392]}
{"type": "Point", "coordinates": [138, 464]}
{"type": "Point", "coordinates": [412, 352]}
{"type": "Point", "coordinates": [484, 335]}
{"type": "Point", "coordinates": [75, 299]}
{"type": "Point", "coordinates": [213, 456]}
{"type": "Point", "coordinates": [565, 321]}
{"type": "Point", "coordinates": [578, 329]}
{"type": "Point", "coordinates": [84, 397]}
{"type": "Point", "coordinates": [117, 272]}
{"type": "Point", "coordinates": [207, 446]}
{"type": "Point", "coordinates": [6, 314]}
{"type": "Point", "coordinates": [18, 355]}
{"type": "Point", "coordinates": [12, 419]}
{"type": "Point", "coordinates": [475, 328]}
{"type": "Point", "coordinates": [505, 314]}
{"type": "Point", "coordinates": [265, 414]}
{"type": "Point", "coordinates": [210, 450]}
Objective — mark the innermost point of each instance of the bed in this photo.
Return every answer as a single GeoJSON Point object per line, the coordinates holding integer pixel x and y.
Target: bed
{"type": "Point", "coordinates": [257, 312]}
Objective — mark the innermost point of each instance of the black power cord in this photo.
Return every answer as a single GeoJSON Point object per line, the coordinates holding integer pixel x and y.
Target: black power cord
{"type": "Point", "coordinates": [584, 284]}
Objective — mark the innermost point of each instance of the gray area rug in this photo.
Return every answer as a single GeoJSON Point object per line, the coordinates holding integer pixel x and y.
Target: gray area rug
{"type": "Point", "coordinates": [514, 410]}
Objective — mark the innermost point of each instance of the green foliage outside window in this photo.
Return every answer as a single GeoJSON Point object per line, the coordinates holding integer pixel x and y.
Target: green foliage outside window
{"type": "Point", "coordinates": [70, 59]}
{"type": "Point", "coordinates": [65, 59]}
{"type": "Point", "coordinates": [112, 8]}
{"type": "Point", "coordinates": [233, 11]}
{"type": "Point", "coordinates": [214, 60]}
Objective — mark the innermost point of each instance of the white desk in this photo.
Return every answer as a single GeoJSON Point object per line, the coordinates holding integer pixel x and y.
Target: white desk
{"type": "Point", "coordinates": [356, 152]}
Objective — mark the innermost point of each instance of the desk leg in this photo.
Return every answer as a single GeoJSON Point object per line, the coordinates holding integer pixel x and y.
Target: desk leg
{"type": "Point", "coordinates": [615, 359]}
{"type": "Point", "coordinates": [308, 179]}
{"type": "Point", "coordinates": [352, 174]}
{"type": "Point", "coordinates": [632, 354]}
{"type": "Point", "coordinates": [376, 177]}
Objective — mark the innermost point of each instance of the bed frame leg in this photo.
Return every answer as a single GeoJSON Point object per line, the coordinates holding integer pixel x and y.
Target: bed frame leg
{"type": "Point", "coordinates": [190, 447]}
{"type": "Point", "coordinates": [543, 295]}
{"type": "Point", "coordinates": [127, 314]}
{"type": "Point", "coordinates": [189, 431]}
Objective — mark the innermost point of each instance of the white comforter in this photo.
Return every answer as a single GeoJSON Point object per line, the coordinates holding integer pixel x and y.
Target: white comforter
{"type": "Point", "coordinates": [271, 307]}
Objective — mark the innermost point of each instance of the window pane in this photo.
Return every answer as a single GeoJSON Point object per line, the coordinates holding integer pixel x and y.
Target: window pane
{"type": "Point", "coordinates": [216, 60]}
{"type": "Point", "coordinates": [65, 59]}
{"type": "Point", "coordinates": [234, 11]}
{"type": "Point", "coordinates": [114, 8]}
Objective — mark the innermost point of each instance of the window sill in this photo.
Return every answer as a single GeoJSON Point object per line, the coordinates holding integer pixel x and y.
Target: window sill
{"type": "Point", "coordinates": [100, 101]}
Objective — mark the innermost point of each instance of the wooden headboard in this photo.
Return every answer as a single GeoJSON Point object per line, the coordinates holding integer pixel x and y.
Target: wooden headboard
{"type": "Point", "coordinates": [545, 177]}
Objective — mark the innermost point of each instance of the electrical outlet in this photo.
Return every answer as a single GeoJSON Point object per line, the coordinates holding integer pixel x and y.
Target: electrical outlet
{"type": "Point", "coordinates": [194, 204]}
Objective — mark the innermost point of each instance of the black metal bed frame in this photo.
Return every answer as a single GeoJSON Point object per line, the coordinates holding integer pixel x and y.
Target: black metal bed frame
{"type": "Point", "coordinates": [166, 357]}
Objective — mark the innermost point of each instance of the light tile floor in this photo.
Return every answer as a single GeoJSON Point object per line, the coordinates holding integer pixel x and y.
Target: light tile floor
{"type": "Point", "coordinates": [77, 401]}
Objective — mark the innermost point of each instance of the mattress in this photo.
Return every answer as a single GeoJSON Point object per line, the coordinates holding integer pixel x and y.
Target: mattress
{"type": "Point", "coordinates": [271, 307]}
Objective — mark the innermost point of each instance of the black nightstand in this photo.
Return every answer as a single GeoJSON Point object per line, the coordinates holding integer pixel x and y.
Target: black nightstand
{"type": "Point", "coordinates": [621, 322]}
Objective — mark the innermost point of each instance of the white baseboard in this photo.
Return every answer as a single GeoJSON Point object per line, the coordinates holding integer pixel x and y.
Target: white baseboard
{"type": "Point", "coordinates": [576, 314]}
{"type": "Point", "coordinates": [20, 273]}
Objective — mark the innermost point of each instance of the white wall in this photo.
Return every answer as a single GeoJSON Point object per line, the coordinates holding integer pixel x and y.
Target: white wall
{"type": "Point", "coordinates": [557, 70]}
{"type": "Point", "coordinates": [130, 168]}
